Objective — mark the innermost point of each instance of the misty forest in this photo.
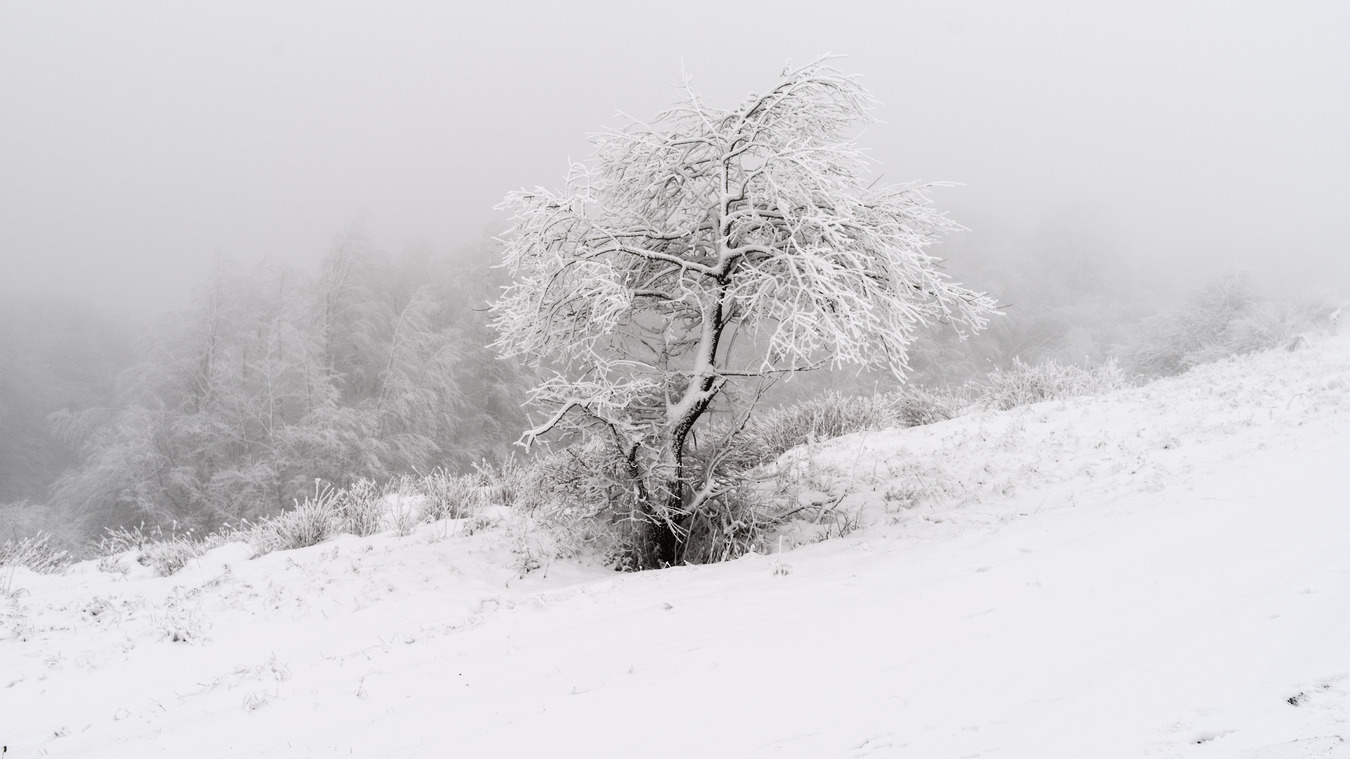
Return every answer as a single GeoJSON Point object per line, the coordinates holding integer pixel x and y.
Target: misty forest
{"type": "Point", "coordinates": [405, 399]}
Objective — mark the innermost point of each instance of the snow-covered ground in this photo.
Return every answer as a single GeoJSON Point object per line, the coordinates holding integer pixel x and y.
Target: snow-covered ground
{"type": "Point", "coordinates": [1164, 571]}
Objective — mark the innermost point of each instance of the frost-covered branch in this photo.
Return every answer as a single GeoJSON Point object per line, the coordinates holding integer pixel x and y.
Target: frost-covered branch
{"type": "Point", "coordinates": [703, 224]}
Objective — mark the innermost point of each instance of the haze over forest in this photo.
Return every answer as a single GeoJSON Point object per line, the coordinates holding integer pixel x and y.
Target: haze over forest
{"type": "Point", "coordinates": [1108, 158]}
{"type": "Point", "coordinates": [139, 140]}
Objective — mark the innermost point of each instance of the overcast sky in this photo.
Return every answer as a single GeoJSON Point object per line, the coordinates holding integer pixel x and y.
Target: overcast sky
{"type": "Point", "coordinates": [138, 140]}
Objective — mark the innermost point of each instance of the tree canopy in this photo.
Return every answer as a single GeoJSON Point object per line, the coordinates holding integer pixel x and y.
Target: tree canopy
{"type": "Point", "coordinates": [706, 249]}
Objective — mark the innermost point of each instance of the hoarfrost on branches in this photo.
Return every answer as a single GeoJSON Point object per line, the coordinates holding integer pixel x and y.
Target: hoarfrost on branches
{"type": "Point", "coordinates": [705, 228]}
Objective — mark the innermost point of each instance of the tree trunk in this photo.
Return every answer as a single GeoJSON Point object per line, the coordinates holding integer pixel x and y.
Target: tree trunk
{"type": "Point", "coordinates": [666, 537]}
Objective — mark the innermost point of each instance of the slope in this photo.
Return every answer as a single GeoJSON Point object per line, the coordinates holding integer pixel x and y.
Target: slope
{"type": "Point", "coordinates": [1158, 572]}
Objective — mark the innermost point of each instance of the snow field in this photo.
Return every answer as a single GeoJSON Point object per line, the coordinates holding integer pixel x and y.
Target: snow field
{"type": "Point", "coordinates": [1161, 571]}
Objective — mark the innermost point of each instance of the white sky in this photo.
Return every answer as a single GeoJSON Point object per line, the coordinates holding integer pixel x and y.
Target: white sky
{"type": "Point", "coordinates": [137, 140]}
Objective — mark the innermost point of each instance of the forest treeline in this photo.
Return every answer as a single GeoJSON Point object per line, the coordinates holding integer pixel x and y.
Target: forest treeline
{"type": "Point", "coordinates": [373, 366]}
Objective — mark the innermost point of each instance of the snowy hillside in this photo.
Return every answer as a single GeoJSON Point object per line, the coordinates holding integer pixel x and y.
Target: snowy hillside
{"type": "Point", "coordinates": [1162, 572]}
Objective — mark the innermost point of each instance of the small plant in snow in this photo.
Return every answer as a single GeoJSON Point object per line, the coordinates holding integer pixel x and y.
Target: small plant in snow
{"type": "Point", "coordinates": [7, 589]}
{"type": "Point", "coordinates": [779, 568]}
{"type": "Point", "coordinates": [257, 700]}
{"type": "Point", "coordinates": [180, 625]}
{"type": "Point", "coordinates": [113, 564]}
{"type": "Point", "coordinates": [404, 513]}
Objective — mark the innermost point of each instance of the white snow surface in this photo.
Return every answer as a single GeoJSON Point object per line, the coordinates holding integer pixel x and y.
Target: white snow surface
{"type": "Point", "coordinates": [1160, 572]}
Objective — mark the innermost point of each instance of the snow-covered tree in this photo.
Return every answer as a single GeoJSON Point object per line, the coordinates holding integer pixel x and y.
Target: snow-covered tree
{"type": "Point", "coordinates": [702, 229]}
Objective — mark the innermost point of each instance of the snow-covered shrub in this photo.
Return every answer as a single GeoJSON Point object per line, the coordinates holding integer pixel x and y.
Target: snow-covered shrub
{"type": "Point", "coordinates": [1275, 324]}
{"type": "Point", "coordinates": [733, 524]}
{"type": "Point", "coordinates": [171, 555]}
{"type": "Point", "coordinates": [590, 506]}
{"type": "Point", "coordinates": [448, 496]}
{"type": "Point", "coordinates": [917, 406]}
{"type": "Point", "coordinates": [309, 523]}
{"type": "Point", "coordinates": [38, 553]}
{"type": "Point", "coordinates": [1194, 333]}
{"type": "Point", "coordinates": [514, 483]}
{"type": "Point", "coordinates": [770, 434]}
{"type": "Point", "coordinates": [1225, 319]}
{"type": "Point", "coordinates": [165, 552]}
{"type": "Point", "coordinates": [359, 508]}
{"type": "Point", "coordinates": [403, 513]}
{"type": "Point", "coordinates": [122, 539]}
{"type": "Point", "coordinates": [178, 624]}
{"type": "Point", "coordinates": [1024, 384]}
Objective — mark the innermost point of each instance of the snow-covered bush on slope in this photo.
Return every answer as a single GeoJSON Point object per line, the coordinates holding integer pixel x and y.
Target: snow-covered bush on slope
{"type": "Point", "coordinates": [515, 483]}
{"type": "Point", "coordinates": [39, 553]}
{"type": "Point", "coordinates": [1225, 319]}
{"type": "Point", "coordinates": [916, 406]}
{"type": "Point", "coordinates": [327, 513]}
{"type": "Point", "coordinates": [358, 508]}
{"type": "Point", "coordinates": [446, 495]}
{"type": "Point", "coordinates": [1024, 384]}
{"type": "Point", "coordinates": [309, 523]}
{"type": "Point", "coordinates": [366, 508]}
{"type": "Point", "coordinates": [772, 433]}
{"type": "Point", "coordinates": [166, 553]}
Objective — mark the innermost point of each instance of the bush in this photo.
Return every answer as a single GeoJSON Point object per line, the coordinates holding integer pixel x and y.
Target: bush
{"type": "Point", "coordinates": [595, 502]}
{"type": "Point", "coordinates": [593, 507]}
{"type": "Point", "coordinates": [358, 509]}
{"type": "Point", "coordinates": [166, 553]}
{"type": "Point", "coordinates": [591, 503]}
{"type": "Point", "coordinates": [448, 496]}
{"type": "Point", "coordinates": [308, 524]}
{"type": "Point", "coordinates": [731, 525]}
{"type": "Point", "coordinates": [1048, 380]}
{"type": "Point", "coordinates": [918, 406]}
{"type": "Point", "coordinates": [774, 432]}
{"type": "Point", "coordinates": [515, 484]}
{"type": "Point", "coordinates": [38, 553]}
{"type": "Point", "coordinates": [1274, 324]}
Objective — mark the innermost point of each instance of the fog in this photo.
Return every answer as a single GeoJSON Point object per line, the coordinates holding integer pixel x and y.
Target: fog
{"type": "Point", "coordinates": [1104, 161]}
{"type": "Point", "coordinates": [140, 140]}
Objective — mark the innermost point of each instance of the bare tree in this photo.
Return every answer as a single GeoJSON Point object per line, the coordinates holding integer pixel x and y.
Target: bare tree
{"type": "Point", "coordinates": [699, 228]}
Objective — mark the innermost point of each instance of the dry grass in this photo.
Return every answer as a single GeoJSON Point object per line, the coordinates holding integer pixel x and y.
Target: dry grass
{"type": "Point", "coordinates": [38, 553]}
{"type": "Point", "coordinates": [1024, 384]}
{"type": "Point", "coordinates": [358, 509]}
